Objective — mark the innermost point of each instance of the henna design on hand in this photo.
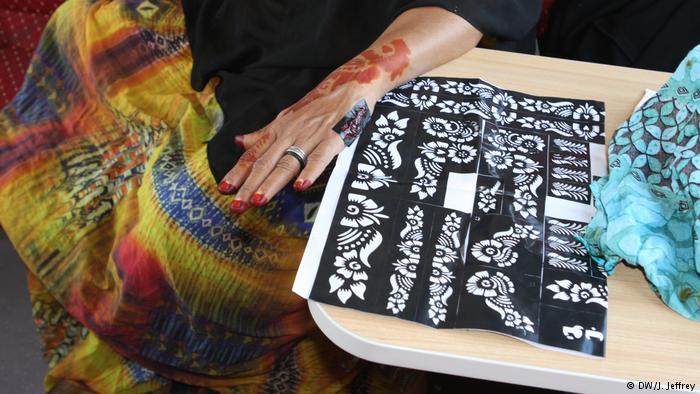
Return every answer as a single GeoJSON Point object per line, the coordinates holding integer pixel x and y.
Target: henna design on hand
{"type": "Point", "coordinates": [363, 69]}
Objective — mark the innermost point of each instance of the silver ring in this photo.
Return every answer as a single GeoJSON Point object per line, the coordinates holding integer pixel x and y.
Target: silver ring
{"type": "Point", "coordinates": [298, 154]}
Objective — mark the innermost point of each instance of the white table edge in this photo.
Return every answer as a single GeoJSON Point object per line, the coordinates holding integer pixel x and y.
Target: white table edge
{"type": "Point", "coordinates": [472, 367]}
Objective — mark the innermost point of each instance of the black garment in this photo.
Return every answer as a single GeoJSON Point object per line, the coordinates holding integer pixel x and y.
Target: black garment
{"type": "Point", "coordinates": [270, 53]}
{"type": "Point", "coordinates": [649, 34]}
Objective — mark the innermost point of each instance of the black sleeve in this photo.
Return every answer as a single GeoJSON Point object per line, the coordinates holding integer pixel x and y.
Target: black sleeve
{"type": "Point", "coordinates": [507, 20]}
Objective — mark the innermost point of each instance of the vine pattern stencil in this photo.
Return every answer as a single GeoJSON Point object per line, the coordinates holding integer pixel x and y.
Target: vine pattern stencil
{"type": "Point", "coordinates": [441, 276]}
{"type": "Point", "coordinates": [406, 268]}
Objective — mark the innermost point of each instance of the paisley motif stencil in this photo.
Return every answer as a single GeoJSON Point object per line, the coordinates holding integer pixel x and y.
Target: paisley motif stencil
{"type": "Point", "coordinates": [460, 206]}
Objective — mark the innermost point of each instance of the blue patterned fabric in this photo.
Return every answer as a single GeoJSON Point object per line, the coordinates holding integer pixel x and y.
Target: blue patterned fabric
{"type": "Point", "coordinates": [648, 205]}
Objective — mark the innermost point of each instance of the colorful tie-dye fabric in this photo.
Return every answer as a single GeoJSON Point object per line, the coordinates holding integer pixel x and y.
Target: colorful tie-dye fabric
{"type": "Point", "coordinates": [140, 278]}
{"type": "Point", "coordinates": [649, 205]}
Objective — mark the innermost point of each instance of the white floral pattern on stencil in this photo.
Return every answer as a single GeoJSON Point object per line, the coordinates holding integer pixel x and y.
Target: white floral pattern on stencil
{"type": "Point", "coordinates": [427, 85]}
{"type": "Point", "coordinates": [405, 268]}
{"type": "Point", "coordinates": [385, 141]}
{"type": "Point", "coordinates": [586, 113]}
{"type": "Point", "coordinates": [557, 126]}
{"type": "Point", "coordinates": [585, 130]}
{"type": "Point", "coordinates": [482, 284]}
{"type": "Point", "coordinates": [530, 143]}
{"type": "Point", "coordinates": [560, 108]}
{"type": "Point", "coordinates": [465, 108]}
{"type": "Point", "coordinates": [425, 184]}
{"type": "Point", "coordinates": [520, 142]}
{"type": "Point", "coordinates": [423, 101]}
{"type": "Point", "coordinates": [524, 165]}
{"type": "Point", "coordinates": [524, 203]}
{"type": "Point", "coordinates": [491, 250]}
{"type": "Point", "coordinates": [467, 131]}
{"type": "Point", "coordinates": [486, 199]}
{"type": "Point", "coordinates": [435, 150]}
{"type": "Point", "coordinates": [499, 159]}
{"type": "Point", "coordinates": [381, 156]}
{"type": "Point", "coordinates": [441, 276]}
{"type": "Point", "coordinates": [455, 131]}
{"type": "Point", "coordinates": [355, 245]}
{"type": "Point", "coordinates": [508, 154]}
{"type": "Point", "coordinates": [370, 177]}
{"type": "Point", "coordinates": [584, 292]}
{"type": "Point", "coordinates": [502, 115]}
{"type": "Point", "coordinates": [461, 153]}
{"type": "Point", "coordinates": [505, 100]}
{"type": "Point", "coordinates": [499, 250]}
{"type": "Point", "coordinates": [361, 212]}
{"type": "Point", "coordinates": [351, 272]}
{"type": "Point", "coordinates": [437, 126]}
{"type": "Point", "coordinates": [496, 290]}
{"type": "Point", "coordinates": [451, 149]}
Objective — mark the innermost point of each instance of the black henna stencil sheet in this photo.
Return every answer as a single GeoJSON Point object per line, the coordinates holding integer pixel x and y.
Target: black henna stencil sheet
{"type": "Point", "coordinates": [461, 206]}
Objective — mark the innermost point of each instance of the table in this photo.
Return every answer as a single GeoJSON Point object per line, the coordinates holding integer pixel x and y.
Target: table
{"type": "Point", "coordinates": [646, 341]}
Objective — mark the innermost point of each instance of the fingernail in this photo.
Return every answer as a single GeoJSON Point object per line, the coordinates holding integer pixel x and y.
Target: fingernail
{"type": "Point", "coordinates": [300, 185]}
{"type": "Point", "coordinates": [227, 188]}
{"type": "Point", "coordinates": [238, 140]}
{"type": "Point", "coordinates": [239, 206]}
{"type": "Point", "coordinates": [259, 199]}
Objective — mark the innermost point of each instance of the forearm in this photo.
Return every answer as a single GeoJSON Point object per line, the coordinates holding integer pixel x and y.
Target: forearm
{"type": "Point", "coordinates": [433, 36]}
{"type": "Point", "coordinates": [418, 40]}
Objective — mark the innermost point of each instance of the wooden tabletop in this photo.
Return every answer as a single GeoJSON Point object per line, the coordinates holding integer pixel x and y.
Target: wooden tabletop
{"type": "Point", "coordinates": [646, 341]}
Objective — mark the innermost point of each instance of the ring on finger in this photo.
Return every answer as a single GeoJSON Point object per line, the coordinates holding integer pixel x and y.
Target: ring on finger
{"type": "Point", "coordinates": [297, 153]}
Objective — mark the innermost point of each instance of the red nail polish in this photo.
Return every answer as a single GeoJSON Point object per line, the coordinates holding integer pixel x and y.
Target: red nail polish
{"type": "Point", "coordinates": [227, 188]}
{"type": "Point", "coordinates": [239, 206]}
{"type": "Point", "coordinates": [238, 140]}
{"type": "Point", "coordinates": [298, 185]}
{"type": "Point", "coordinates": [259, 199]}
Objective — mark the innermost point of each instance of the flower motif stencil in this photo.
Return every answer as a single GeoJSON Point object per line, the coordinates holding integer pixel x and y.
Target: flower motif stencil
{"type": "Point", "coordinates": [461, 153]}
{"type": "Point", "coordinates": [370, 177]}
{"type": "Point", "coordinates": [487, 201]}
{"type": "Point", "coordinates": [499, 159]}
{"type": "Point", "coordinates": [499, 250]}
{"type": "Point", "coordinates": [423, 101]}
{"type": "Point", "coordinates": [361, 212]}
{"type": "Point", "coordinates": [583, 292]}
{"type": "Point", "coordinates": [435, 150]}
{"type": "Point", "coordinates": [349, 278]}
{"type": "Point", "coordinates": [497, 290]}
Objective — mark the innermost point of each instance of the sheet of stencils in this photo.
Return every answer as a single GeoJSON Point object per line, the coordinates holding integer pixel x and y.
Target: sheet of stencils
{"type": "Point", "coordinates": [461, 206]}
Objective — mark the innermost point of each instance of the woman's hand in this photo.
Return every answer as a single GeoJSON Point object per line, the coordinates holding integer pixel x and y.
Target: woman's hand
{"type": "Point", "coordinates": [311, 124]}
{"type": "Point", "coordinates": [418, 40]}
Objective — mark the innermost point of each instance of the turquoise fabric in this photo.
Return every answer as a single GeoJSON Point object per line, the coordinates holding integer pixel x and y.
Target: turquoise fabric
{"type": "Point", "coordinates": [648, 205]}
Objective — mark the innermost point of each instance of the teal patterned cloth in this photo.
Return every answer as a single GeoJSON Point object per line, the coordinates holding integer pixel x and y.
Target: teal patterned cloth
{"type": "Point", "coordinates": [648, 205]}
